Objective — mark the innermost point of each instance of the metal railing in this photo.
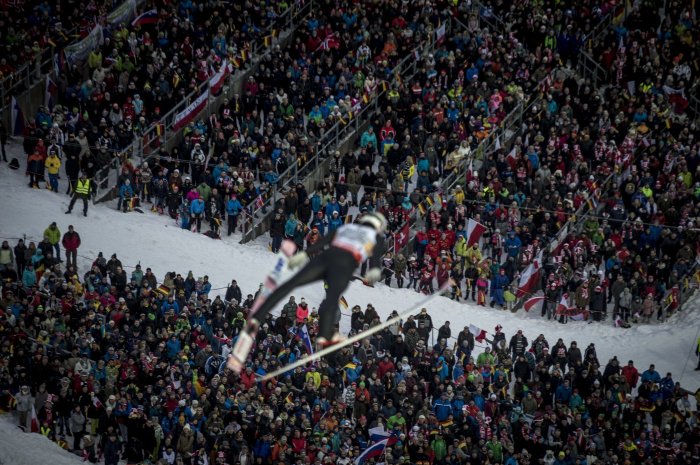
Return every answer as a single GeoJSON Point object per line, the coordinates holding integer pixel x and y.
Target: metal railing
{"type": "Point", "coordinates": [147, 144]}
{"type": "Point", "coordinates": [332, 138]}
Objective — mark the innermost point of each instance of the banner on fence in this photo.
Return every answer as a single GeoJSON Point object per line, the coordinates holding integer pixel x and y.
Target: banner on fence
{"type": "Point", "coordinates": [183, 118]}
{"type": "Point", "coordinates": [78, 52]}
{"type": "Point", "coordinates": [123, 14]}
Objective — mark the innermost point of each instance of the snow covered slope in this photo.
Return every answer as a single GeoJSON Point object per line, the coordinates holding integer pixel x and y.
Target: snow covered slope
{"type": "Point", "coordinates": [17, 448]}
{"type": "Point", "coordinates": [156, 242]}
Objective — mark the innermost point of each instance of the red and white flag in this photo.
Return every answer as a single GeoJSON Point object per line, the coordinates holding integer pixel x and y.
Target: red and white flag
{"type": "Point", "coordinates": [474, 231]}
{"type": "Point", "coordinates": [216, 82]}
{"type": "Point", "coordinates": [479, 334]}
{"type": "Point", "coordinates": [401, 237]}
{"type": "Point", "coordinates": [184, 118]}
{"type": "Point", "coordinates": [563, 307]}
{"type": "Point", "coordinates": [35, 421]}
{"type": "Point", "coordinates": [512, 157]}
{"type": "Point", "coordinates": [331, 41]}
{"type": "Point", "coordinates": [529, 278]}
{"type": "Point", "coordinates": [531, 302]}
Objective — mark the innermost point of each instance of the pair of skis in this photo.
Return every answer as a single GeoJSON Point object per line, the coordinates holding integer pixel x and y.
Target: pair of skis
{"type": "Point", "coordinates": [244, 344]}
{"type": "Point", "coordinates": [357, 337]}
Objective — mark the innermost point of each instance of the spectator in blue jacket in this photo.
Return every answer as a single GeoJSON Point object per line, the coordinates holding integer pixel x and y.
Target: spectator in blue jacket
{"type": "Point", "coordinates": [233, 209]}
{"type": "Point", "coordinates": [197, 212]}
{"type": "Point", "coordinates": [563, 393]}
{"type": "Point", "coordinates": [319, 223]}
{"type": "Point", "coordinates": [513, 244]}
{"type": "Point", "coordinates": [170, 304]}
{"type": "Point", "coordinates": [126, 192]}
{"type": "Point", "coordinates": [651, 375]}
{"type": "Point", "coordinates": [29, 276]}
{"type": "Point", "coordinates": [332, 207]}
{"type": "Point", "coordinates": [442, 407]}
{"type": "Point", "coordinates": [498, 285]}
{"type": "Point", "coordinates": [334, 222]}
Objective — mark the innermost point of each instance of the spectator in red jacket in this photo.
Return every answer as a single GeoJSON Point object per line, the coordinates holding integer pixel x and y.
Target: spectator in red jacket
{"type": "Point", "coordinates": [631, 374]}
{"type": "Point", "coordinates": [71, 242]}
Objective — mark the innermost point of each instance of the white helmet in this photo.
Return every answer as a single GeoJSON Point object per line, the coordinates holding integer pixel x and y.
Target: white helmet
{"type": "Point", "coordinates": [375, 220]}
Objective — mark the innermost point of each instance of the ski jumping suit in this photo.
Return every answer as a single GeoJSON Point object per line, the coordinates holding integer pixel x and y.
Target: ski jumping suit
{"type": "Point", "coordinates": [348, 247]}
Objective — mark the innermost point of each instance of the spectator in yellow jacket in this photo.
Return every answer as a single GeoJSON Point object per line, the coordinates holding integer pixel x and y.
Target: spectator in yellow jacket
{"type": "Point", "coordinates": [52, 165]}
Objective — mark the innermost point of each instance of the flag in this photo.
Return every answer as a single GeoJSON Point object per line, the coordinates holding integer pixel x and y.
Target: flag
{"type": "Point", "coordinates": [373, 451]}
{"type": "Point", "coordinates": [474, 231]}
{"type": "Point", "coordinates": [35, 420]}
{"type": "Point", "coordinates": [163, 289]}
{"type": "Point", "coordinates": [147, 17]}
{"type": "Point", "coordinates": [440, 33]}
{"type": "Point", "coordinates": [289, 399]}
{"type": "Point", "coordinates": [96, 402]}
{"type": "Point", "coordinates": [267, 41]}
{"type": "Point", "coordinates": [217, 80]}
{"type": "Point", "coordinates": [183, 118]}
{"type": "Point", "coordinates": [447, 423]}
{"type": "Point", "coordinates": [303, 334]}
{"type": "Point", "coordinates": [330, 42]}
{"type": "Point", "coordinates": [17, 118]}
{"type": "Point", "coordinates": [401, 237]}
{"type": "Point", "coordinates": [343, 303]}
{"type": "Point", "coordinates": [563, 307]}
{"type": "Point", "coordinates": [50, 91]}
{"type": "Point", "coordinates": [531, 302]}
{"type": "Point", "coordinates": [470, 171]}
{"type": "Point", "coordinates": [365, 99]}
{"type": "Point", "coordinates": [529, 278]}
{"type": "Point", "coordinates": [236, 62]}
{"type": "Point", "coordinates": [244, 55]}
{"type": "Point", "coordinates": [479, 334]}
{"type": "Point", "coordinates": [512, 157]}
{"type": "Point", "coordinates": [592, 203]}
{"type": "Point", "coordinates": [421, 208]}
{"type": "Point", "coordinates": [378, 433]}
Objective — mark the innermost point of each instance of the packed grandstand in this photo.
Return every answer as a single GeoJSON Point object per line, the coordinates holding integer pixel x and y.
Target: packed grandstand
{"type": "Point", "coordinates": [541, 155]}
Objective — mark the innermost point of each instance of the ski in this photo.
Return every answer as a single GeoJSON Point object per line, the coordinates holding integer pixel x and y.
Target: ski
{"type": "Point", "coordinates": [244, 343]}
{"type": "Point", "coordinates": [357, 337]}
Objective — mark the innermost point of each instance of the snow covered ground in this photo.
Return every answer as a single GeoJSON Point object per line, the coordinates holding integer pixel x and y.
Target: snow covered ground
{"type": "Point", "coordinates": [156, 242]}
{"type": "Point", "coordinates": [17, 448]}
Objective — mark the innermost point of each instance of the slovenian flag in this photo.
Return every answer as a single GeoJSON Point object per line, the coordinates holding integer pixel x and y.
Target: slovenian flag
{"type": "Point", "coordinates": [305, 338]}
{"type": "Point", "coordinates": [147, 17]}
{"type": "Point", "coordinates": [373, 451]}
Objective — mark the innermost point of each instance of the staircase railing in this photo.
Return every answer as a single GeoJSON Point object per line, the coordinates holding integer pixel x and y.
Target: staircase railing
{"type": "Point", "coordinates": [162, 132]}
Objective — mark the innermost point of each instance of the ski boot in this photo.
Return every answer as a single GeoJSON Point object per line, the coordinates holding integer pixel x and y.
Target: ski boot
{"type": "Point", "coordinates": [322, 342]}
{"type": "Point", "coordinates": [244, 344]}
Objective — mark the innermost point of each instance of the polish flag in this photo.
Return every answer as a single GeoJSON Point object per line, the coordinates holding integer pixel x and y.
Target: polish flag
{"type": "Point", "coordinates": [474, 231]}
{"type": "Point", "coordinates": [479, 334]}
{"type": "Point", "coordinates": [563, 307]}
{"type": "Point", "coordinates": [35, 421]}
{"type": "Point", "coordinates": [531, 302]}
{"type": "Point", "coordinates": [217, 80]}
{"type": "Point", "coordinates": [512, 157]}
{"type": "Point", "coordinates": [530, 278]}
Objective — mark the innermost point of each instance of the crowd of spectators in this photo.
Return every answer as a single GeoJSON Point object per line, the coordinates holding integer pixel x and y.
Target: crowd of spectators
{"type": "Point", "coordinates": [133, 367]}
{"type": "Point", "coordinates": [124, 366]}
{"type": "Point", "coordinates": [630, 159]}
{"type": "Point", "coordinates": [31, 31]}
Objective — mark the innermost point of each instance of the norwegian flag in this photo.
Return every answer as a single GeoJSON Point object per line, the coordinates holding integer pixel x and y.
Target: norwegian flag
{"type": "Point", "coordinates": [531, 302]}
{"type": "Point", "coordinates": [330, 42]}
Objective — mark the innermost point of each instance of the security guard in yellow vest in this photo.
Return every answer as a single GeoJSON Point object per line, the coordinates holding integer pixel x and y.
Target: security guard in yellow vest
{"type": "Point", "coordinates": [82, 191]}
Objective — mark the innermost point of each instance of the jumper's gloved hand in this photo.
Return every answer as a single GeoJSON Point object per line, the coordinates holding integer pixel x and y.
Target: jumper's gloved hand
{"type": "Point", "coordinates": [295, 261]}
{"type": "Point", "coordinates": [373, 275]}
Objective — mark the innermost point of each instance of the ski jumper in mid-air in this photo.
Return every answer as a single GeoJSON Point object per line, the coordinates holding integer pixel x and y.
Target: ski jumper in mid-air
{"type": "Point", "coordinates": [341, 252]}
